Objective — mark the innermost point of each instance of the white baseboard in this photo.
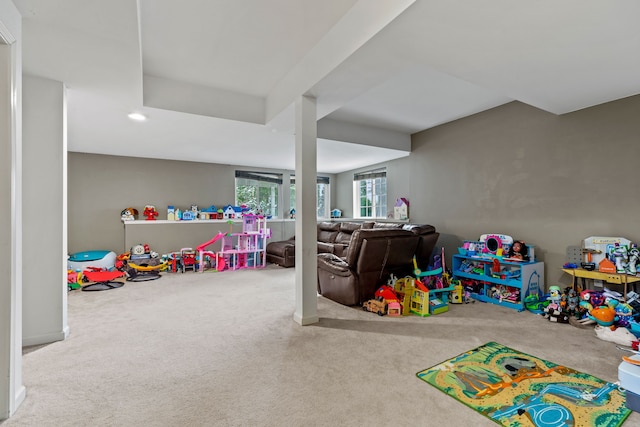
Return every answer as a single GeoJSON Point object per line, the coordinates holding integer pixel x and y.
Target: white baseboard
{"type": "Point", "coordinates": [46, 339]}
{"type": "Point", "coordinates": [304, 321]}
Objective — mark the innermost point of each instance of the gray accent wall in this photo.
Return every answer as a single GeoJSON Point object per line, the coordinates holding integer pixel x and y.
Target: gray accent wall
{"type": "Point", "coordinates": [549, 180]}
{"type": "Point", "coordinates": [101, 186]}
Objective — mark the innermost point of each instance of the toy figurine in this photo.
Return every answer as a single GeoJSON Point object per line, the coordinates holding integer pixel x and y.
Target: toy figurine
{"type": "Point", "coordinates": [620, 256]}
{"type": "Point", "coordinates": [150, 212]}
{"type": "Point", "coordinates": [518, 250]}
{"type": "Point", "coordinates": [554, 296]}
{"type": "Point", "coordinates": [634, 256]}
{"type": "Point", "coordinates": [572, 302]}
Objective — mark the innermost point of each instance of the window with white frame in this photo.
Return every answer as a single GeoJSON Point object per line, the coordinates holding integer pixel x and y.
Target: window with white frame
{"type": "Point", "coordinates": [323, 198]}
{"type": "Point", "coordinates": [258, 191]}
{"type": "Point", "coordinates": [370, 194]}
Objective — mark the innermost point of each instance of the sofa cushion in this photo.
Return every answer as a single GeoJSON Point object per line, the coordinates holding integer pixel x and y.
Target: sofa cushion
{"type": "Point", "coordinates": [327, 236]}
{"type": "Point", "coordinates": [346, 230]}
{"type": "Point", "coordinates": [327, 233]}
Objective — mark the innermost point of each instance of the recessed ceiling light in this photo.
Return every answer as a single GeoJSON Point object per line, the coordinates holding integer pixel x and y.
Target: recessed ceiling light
{"type": "Point", "coordinates": [137, 116]}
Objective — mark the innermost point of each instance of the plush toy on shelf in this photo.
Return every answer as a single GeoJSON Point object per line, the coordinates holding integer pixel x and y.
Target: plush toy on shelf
{"type": "Point", "coordinates": [129, 214]}
{"type": "Point", "coordinates": [150, 212]}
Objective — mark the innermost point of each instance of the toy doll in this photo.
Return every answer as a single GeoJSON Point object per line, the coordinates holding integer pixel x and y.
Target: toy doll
{"type": "Point", "coordinates": [518, 250]}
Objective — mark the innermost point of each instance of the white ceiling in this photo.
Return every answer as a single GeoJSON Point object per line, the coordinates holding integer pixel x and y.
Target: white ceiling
{"type": "Point", "coordinates": [218, 78]}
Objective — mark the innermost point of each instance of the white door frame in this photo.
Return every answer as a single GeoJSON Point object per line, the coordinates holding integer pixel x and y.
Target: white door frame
{"type": "Point", "coordinates": [12, 391]}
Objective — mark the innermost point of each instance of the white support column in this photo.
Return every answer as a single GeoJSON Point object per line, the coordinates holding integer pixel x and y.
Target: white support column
{"type": "Point", "coordinates": [44, 150]}
{"type": "Point", "coordinates": [306, 224]}
{"type": "Point", "coordinates": [12, 391]}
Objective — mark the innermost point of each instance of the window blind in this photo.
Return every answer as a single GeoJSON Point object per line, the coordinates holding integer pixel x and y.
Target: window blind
{"type": "Point", "coordinates": [275, 178]}
{"type": "Point", "coordinates": [319, 180]}
{"type": "Point", "coordinates": [377, 173]}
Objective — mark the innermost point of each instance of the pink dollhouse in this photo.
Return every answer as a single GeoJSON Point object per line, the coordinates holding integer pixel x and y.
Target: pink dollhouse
{"type": "Point", "coordinates": [245, 249]}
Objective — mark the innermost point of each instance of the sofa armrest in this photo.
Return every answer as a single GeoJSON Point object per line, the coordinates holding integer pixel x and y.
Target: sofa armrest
{"type": "Point", "coordinates": [333, 264]}
{"type": "Point", "coordinates": [325, 247]}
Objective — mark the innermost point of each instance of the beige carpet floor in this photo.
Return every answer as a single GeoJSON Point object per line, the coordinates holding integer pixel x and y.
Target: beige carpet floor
{"type": "Point", "coordinates": [222, 349]}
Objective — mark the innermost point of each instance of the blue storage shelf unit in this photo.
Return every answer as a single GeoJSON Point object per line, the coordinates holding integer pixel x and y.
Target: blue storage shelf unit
{"type": "Point", "coordinates": [508, 287]}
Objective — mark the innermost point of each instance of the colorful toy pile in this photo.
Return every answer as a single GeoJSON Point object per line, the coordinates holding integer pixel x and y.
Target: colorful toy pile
{"type": "Point", "coordinates": [424, 295]}
{"type": "Point", "coordinates": [237, 250]}
{"type": "Point", "coordinates": [101, 270]}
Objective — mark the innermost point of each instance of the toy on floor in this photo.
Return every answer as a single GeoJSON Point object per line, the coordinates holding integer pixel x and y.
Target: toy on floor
{"type": "Point", "coordinates": [431, 292]}
{"type": "Point", "coordinates": [533, 304]}
{"type": "Point", "coordinates": [98, 279]}
{"type": "Point", "coordinates": [620, 335]}
{"type": "Point", "coordinates": [457, 295]}
{"type": "Point", "coordinates": [188, 256]}
{"type": "Point", "coordinates": [141, 264]}
{"type": "Point", "coordinates": [386, 292]}
{"type": "Point", "coordinates": [603, 316]}
{"type": "Point", "coordinates": [202, 252]}
{"type": "Point", "coordinates": [80, 261]}
{"type": "Point", "coordinates": [394, 309]}
{"type": "Point", "coordinates": [554, 312]}
{"type": "Point", "coordinates": [375, 306]}
{"type": "Point", "coordinates": [74, 280]}
{"type": "Point", "coordinates": [403, 288]}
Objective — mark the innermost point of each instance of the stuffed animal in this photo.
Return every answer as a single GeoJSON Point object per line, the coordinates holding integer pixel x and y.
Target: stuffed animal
{"type": "Point", "coordinates": [129, 214]}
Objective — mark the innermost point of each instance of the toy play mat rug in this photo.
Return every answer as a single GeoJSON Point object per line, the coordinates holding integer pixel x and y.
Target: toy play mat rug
{"type": "Point", "coordinates": [516, 389]}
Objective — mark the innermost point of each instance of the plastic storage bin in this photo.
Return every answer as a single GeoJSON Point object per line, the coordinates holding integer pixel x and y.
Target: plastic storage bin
{"type": "Point", "coordinates": [99, 259]}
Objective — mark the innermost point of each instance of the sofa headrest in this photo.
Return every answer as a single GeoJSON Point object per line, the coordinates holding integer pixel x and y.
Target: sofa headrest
{"type": "Point", "coordinates": [387, 225]}
{"type": "Point", "coordinates": [361, 235]}
{"type": "Point", "coordinates": [327, 236]}
{"type": "Point", "coordinates": [329, 226]}
{"type": "Point", "coordinates": [350, 227]}
{"type": "Point", "coordinates": [419, 228]}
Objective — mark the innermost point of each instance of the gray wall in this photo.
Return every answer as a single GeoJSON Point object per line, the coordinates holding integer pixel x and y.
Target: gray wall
{"type": "Point", "coordinates": [100, 187]}
{"type": "Point", "coordinates": [549, 180]}
{"type": "Point", "coordinates": [398, 185]}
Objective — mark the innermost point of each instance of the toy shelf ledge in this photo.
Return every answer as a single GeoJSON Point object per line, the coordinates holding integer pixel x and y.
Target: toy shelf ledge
{"type": "Point", "coordinates": [194, 221]}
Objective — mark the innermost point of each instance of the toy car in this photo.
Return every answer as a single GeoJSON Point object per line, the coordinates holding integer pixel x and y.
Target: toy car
{"type": "Point", "coordinates": [375, 306]}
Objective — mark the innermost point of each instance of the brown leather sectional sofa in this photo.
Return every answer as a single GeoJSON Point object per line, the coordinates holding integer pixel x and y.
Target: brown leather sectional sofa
{"type": "Point", "coordinates": [354, 259]}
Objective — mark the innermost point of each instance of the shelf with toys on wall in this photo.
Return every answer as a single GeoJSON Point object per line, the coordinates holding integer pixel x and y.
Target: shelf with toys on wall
{"type": "Point", "coordinates": [498, 270]}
